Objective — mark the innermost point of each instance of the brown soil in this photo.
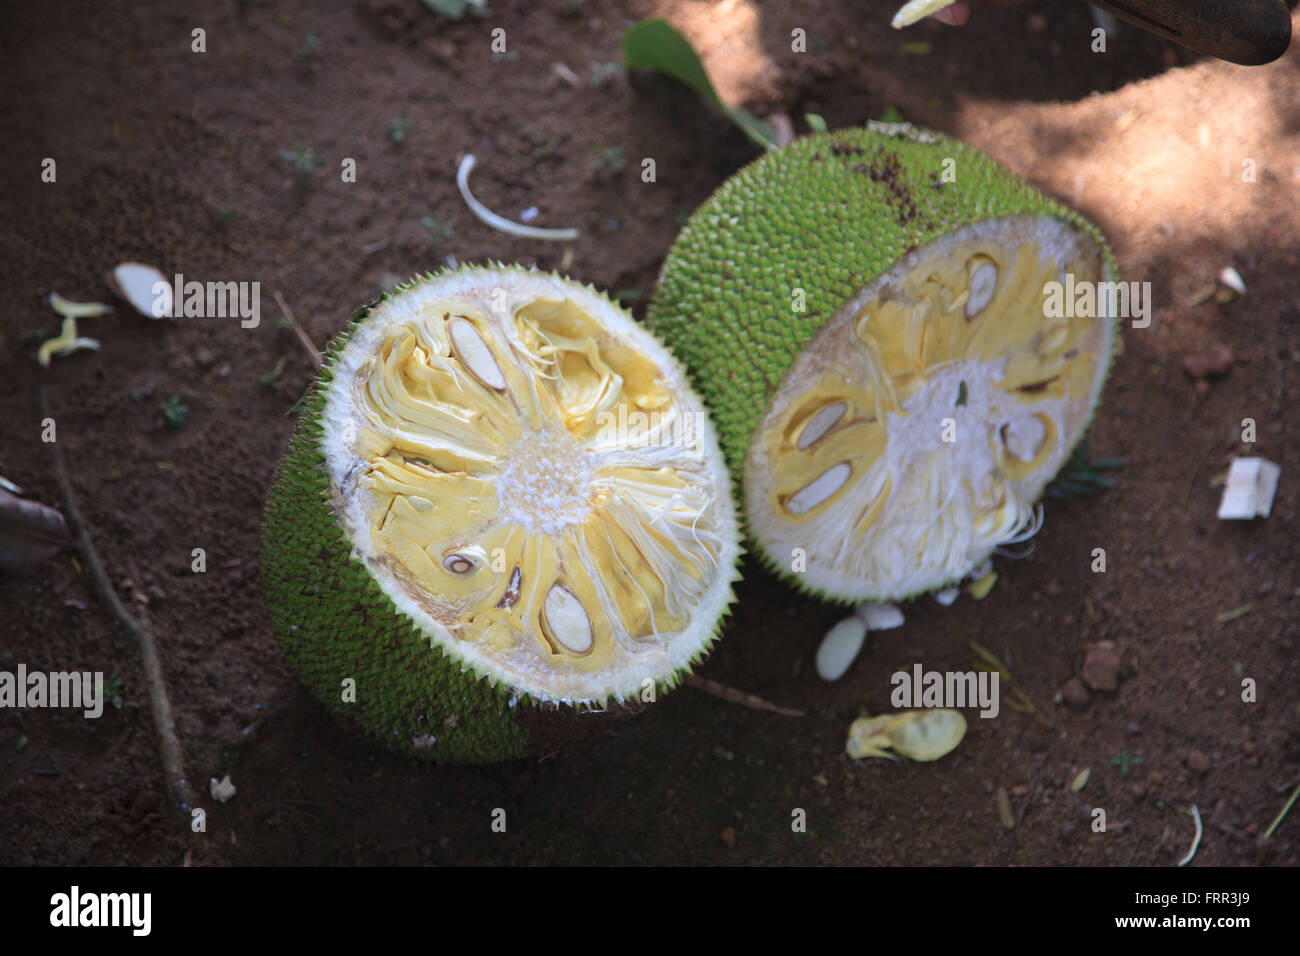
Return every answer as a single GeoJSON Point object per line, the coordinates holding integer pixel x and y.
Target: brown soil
{"type": "Point", "coordinates": [173, 158]}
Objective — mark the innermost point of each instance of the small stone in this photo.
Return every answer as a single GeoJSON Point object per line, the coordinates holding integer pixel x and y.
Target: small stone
{"type": "Point", "coordinates": [1075, 694]}
{"type": "Point", "coordinates": [1211, 363]}
{"type": "Point", "coordinates": [221, 790]}
{"type": "Point", "coordinates": [1197, 762]}
{"type": "Point", "coordinates": [204, 357]}
{"type": "Point", "coordinates": [1133, 728]}
{"type": "Point", "coordinates": [1037, 23]}
{"type": "Point", "coordinates": [729, 837]}
{"type": "Point", "coordinates": [1101, 666]}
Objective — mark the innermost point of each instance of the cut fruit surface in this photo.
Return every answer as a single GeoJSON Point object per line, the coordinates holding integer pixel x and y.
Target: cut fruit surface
{"type": "Point", "coordinates": [523, 474]}
{"type": "Point", "coordinates": [938, 404]}
{"type": "Point", "coordinates": [479, 466]}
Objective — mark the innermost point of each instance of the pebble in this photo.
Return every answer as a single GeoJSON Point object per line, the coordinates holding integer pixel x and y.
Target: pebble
{"type": "Point", "coordinates": [1075, 694]}
{"type": "Point", "coordinates": [1197, 762]}
{"type": "Point", "coordinates": [1213, 362]}
{"type": "Point", "coordinates": [1101, 666]}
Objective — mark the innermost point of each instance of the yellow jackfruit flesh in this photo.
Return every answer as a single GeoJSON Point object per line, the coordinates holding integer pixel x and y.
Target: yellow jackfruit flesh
{"type": "Point", "coordinates": [522, 499]}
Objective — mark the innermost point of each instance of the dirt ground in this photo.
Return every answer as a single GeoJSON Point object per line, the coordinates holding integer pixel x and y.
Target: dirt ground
{"type": "Point", "coordinates": [174, 158]}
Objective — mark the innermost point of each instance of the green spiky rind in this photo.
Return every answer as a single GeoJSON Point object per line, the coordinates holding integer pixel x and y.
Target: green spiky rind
{"type": "Point", "coordinates": [405, 689]}
{"type": "Point", "coordinates": [407, 685]}
{"type": "Point", "coordinates": [824, 214]}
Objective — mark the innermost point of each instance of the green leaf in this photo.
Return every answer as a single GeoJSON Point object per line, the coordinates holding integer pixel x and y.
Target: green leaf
{"type": "Point", "coordinates": [815, 122]}
{"type": "Point", "coordinates": [451, 9]}
{"type": "Point", "coordinates": [656, 45]}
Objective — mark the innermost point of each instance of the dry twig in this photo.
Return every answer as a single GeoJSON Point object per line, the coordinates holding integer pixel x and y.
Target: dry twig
{"type": "Point", "coordinates": [168, 744]}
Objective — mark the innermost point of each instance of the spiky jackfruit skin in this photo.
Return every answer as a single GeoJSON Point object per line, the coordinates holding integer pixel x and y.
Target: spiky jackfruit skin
{"type": "Point", "coordinates": [822, 218]}
{"type": "Point", "coordinates": [334, 622]}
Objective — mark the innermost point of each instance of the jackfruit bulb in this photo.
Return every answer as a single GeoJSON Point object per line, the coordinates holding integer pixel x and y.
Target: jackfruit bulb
{"type": "Point", "coordinates": [502, 493]}
{"type": "Point", "coordinates": [869, 314]}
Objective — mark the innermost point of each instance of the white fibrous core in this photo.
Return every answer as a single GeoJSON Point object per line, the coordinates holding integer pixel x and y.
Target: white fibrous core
{"type": "Point", "coordinates": [528, 475]}
{"type": "Point", "coordinates": [915, 432]}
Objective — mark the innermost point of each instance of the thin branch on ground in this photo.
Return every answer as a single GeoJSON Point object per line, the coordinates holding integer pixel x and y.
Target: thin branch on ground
{"type": "Point", "coordinates": [168, 744]}
{"type": "Point", "coordinates": [307, 344]}
{"type": "Point", "coordinates": [738, 696]}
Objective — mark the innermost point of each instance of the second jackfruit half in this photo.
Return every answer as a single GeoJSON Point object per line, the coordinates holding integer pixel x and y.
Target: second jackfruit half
{"type": "Point", "coordinates": [865, 313]}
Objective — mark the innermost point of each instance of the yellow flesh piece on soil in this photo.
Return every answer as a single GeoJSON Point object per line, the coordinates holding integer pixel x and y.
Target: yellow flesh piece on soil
{"type": "Point", "coordinates": [485, 499]}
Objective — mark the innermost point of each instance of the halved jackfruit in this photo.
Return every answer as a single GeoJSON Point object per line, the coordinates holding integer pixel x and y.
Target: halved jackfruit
{"type": "Point", "coordinates": [501, 476]}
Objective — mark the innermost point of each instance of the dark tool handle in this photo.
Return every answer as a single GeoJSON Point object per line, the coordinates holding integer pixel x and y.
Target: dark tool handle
{"type": "Point", "coordinates": [1250, 32]}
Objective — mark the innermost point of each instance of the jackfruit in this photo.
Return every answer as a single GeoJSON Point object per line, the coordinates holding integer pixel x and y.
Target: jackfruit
{"type": "Point", "coordinates": [502, 493]}
{"type": "Point", "coordinates": [867, 314]}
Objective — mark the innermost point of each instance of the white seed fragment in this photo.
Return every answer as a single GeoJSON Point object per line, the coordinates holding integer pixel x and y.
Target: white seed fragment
{"type": "Point", "coordinates": [567, 620]}
{"type": "Point", "coordinates": [221, 790]}
{"type": "Point", "coordinates": [947, 596]}
{"type": "Point", "coordinates": [880, 617]}
{"type": "Point", "coordinates": [145, 288]}
{"type": "Point", "coordinates": [820, 424]}
{"type": "Point", "coordinates": [474, 353]}
{"type": "Point", "coordinates": [915, 10]}
{"type": "Point", "coordinates": [1024, 436]}
{"type": "Point", "coordinates": [1249, 490]}
{"type": "Point", "coordinates": [811, 495]}
{"type": "Point", "coordinates": [983, 571]}
{"type": "Point", "coordinates": [1232, 279]}
{"type": "Point", "coordinates": [840, 647]}
{"type": "Point", "coordinates": [983, 283]}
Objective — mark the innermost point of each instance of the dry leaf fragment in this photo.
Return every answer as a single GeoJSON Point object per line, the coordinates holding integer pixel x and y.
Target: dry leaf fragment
{"type": "Point", "coordinates": [1004, 809]}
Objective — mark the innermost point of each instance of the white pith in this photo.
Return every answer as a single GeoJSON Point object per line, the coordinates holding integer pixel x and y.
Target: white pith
{"type": "Point", "coordinates": [928, 532]}
{"type": "Point", "coordinates": [547, 484]}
